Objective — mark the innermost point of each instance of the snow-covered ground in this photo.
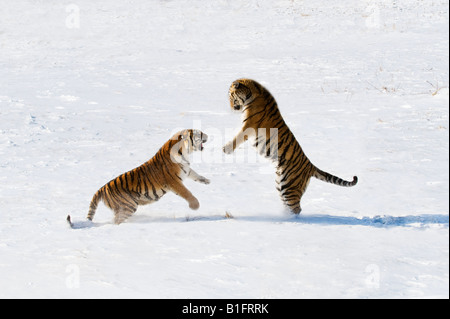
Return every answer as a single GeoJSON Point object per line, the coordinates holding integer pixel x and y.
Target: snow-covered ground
{"type": "Point", "coordinates": [91, 89]}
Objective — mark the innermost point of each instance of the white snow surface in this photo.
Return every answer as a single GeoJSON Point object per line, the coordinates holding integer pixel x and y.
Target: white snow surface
{"type": "Point", "coordinates": [91, 89]}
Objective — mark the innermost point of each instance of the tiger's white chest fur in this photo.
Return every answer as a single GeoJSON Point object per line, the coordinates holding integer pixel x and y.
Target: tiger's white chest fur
{"type": "Point", "coordinates": [265, 141]}
{"type": "Point", "coordinates": [185, 170]}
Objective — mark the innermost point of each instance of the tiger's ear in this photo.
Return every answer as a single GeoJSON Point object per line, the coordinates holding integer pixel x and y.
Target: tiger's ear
{"type": "Point", "coordinates": [236, 84]}
{"type": "Point", "coordinates": [184, 135]}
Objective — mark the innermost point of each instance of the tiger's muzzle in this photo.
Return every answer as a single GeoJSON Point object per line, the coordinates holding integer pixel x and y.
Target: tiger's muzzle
{"type": "Point", "coordinates": [204, 140]}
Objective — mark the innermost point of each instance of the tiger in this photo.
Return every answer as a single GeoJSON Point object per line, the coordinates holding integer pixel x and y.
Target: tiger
{"type": "Point", "coordinates": [146, 184]}
{"type": "Point", "coordinates": [263, 123]}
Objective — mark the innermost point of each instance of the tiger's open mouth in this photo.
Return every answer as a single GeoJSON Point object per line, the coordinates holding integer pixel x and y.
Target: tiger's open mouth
{"type": "Point", "coordinates": [204, 139]}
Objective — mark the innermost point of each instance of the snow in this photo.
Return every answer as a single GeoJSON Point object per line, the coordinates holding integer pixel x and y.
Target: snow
{"type": "Point", "coordinates": [89, 90]}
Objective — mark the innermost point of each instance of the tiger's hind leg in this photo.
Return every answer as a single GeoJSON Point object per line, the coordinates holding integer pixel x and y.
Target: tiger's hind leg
{"type": "Point", "coordinates": [295, 209]}
{"type": "Point", "coordinates": [121, 214]}
{"type": "Point", "coordinates": [292, 202]}
{"type": "Point", "coordinates": [292, 187]}
{"type": "Point", "coordinates": [291, 197]}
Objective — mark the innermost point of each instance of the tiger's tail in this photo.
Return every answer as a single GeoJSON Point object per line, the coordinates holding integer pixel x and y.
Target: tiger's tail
{"type": "Point", "coordinates": [327, 177]}
{"type": "Point", "coordinates": [94, 203]}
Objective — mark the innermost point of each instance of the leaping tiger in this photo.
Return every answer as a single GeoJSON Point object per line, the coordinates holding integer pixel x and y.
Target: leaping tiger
{"type": "Point", "coordinates": [147, 183]}
{"type": "Point", "coordinates": [262, 121]}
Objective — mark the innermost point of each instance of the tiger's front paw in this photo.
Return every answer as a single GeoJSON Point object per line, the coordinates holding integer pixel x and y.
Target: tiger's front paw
{"type": "Point", "coordinates": [194, 204]}
{"type": "Point", "coordinates": [228, 148]}
{"type": "Point", "coordinates": [204, 180]}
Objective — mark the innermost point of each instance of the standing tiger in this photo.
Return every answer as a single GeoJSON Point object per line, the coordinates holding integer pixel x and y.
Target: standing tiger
{"type": "Point", "coordinates": [149, 182]}
{"type": "Point", "coordinates": [262, 121]}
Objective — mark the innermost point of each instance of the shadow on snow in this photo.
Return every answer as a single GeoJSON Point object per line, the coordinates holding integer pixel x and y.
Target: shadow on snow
{"type": "Point", "coordinates": [376, 221]}
{"type": "Point", "coordinates": [316, 219]}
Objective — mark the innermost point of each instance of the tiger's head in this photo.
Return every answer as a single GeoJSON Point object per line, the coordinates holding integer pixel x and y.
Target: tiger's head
{"type": "Point", "coordinates": [191, 140]}
{"type": "Point", "coordinates": [242, 92]}
{"type": "Point", "coordinates": [197, 138]}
